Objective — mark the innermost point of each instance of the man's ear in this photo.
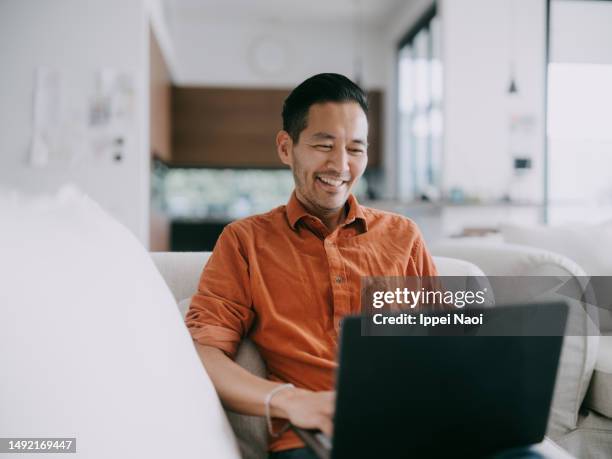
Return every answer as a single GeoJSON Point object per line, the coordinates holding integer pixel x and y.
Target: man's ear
{"type": "Point", "coordinates": [284, 145]}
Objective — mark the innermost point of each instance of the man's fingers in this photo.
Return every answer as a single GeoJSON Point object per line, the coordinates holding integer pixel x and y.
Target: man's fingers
{"type": "Point", "coordinates": [330, 403]}
{"type": "Point", "coordinates": [328, 409]}
{"type": "Point", "coordinates": [313, 410]}
{"type": "Point", "coordinates": [326, 426]}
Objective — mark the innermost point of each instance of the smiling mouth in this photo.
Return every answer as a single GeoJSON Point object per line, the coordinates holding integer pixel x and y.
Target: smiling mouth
{"type": "Point", "coordinates": [331, 182]}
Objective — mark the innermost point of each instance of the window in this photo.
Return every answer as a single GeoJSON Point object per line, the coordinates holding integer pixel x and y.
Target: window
{"type": "Point", "coordinates": [420, 110]}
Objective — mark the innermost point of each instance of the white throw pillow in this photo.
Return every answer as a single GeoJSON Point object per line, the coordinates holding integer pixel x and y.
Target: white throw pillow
{"type": "Point", "coordinates": [92, 345]}
{"type": "Point", "coordinates": [588, 245]}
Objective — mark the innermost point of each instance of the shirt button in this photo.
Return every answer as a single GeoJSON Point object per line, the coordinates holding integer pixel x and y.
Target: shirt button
{"type": "Point", "coordinates": [338, 280]}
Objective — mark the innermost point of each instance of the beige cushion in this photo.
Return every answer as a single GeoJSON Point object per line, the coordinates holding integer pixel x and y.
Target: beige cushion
{"type": "Point", "coordinates": [453, 267]}
{"type": "Point", "coordinates": [599, 397]}
{"type": "Point", "coordinates": [181, 271]}
{"type": "Point", "coordinates": [251, 431]}
{"type": "Point", "coordinates": [588, 245]}
{"type": "Point", "coordinates": [500, 259]}
{"type": "Point", "coordinates": [592, 439]}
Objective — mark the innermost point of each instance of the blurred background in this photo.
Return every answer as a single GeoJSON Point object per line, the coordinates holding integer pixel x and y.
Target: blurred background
{"type": "Point", "coordinates": [483, 111]}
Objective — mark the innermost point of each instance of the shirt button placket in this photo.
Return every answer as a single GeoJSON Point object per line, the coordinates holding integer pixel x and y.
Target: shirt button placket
{"type": "Point", "coordinates": [335, 267]}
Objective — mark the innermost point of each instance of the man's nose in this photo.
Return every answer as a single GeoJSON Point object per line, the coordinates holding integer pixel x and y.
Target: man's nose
{"type": "Point", "coordinates": [339, 159]}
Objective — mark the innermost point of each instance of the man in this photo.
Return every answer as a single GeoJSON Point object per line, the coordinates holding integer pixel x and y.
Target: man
{"type": "Point", "coordinates": [286, 278]}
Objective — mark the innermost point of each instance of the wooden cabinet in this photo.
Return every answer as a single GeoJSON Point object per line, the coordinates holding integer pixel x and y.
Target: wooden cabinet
{"type": "Point", "coordinates": [231, 127]}
{"type": "Point", "coordinates": [375, 133]}
{"type": "Point", "coordinates": [226, 127]}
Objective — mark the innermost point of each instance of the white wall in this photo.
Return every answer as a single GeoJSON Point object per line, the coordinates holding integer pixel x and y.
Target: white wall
{"type": "Point", "coordinates": [580, 110]}
{"type": "Point", "coordinates": [476, 54]}
{"type": "Point", "coordinates": [221, 52]}
{"type": "Point", "coordinates": [581, 31]}
{"type": "Point", "coordinates": [77, 39]}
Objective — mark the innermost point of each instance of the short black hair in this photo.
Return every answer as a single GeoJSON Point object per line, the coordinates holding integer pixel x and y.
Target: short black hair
{"type": "Point", "coordinates": [321, 88]}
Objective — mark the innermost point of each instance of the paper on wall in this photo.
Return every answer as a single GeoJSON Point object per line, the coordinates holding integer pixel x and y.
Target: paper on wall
{"type": "Point", "coordinates": [46, 115]}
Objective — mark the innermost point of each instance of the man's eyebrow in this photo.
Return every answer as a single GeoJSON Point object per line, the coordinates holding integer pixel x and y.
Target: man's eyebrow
{"type": "Point", "coordinates": [328, 136]}
{"type": "Point", "coordinates": [323, 136]}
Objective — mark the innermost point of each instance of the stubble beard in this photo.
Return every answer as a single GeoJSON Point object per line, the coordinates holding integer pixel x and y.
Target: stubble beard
{"type": "Point", "coordinates": [300, 179]}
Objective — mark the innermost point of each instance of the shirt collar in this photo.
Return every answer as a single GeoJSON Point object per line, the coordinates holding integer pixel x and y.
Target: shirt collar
{"type": "Point", "coordinates": [296, 211]}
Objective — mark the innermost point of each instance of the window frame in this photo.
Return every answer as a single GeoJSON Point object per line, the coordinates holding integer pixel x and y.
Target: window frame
{"type": "Point", "coordinates": [408, 40]}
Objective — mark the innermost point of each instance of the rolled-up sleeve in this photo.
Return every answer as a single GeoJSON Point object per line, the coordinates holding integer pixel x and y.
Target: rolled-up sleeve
{"type": "Point", "coordinates": [220, 313]}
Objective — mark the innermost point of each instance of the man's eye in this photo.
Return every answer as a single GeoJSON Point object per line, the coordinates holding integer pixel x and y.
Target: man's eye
{"type": "Point", "coordinates": [356, 151]}
{"type": "Point", "coordinates": [324, 147]}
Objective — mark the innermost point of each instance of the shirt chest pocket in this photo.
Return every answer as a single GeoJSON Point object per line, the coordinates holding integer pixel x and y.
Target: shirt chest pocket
{"type": "Point", "coordinates": [292, 291]}
{"type": "Point", "coordinates": [379, 264]}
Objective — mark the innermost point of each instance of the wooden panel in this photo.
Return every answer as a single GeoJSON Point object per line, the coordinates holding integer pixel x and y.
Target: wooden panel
{"type": "Point", "coordinates": [220, 127]}
{"type": "Point", "coordinates": [374, 129]}
{"type": "Point", "coordinates": [229, 127]}
{"type": "Point", "coordinates": [159, 231]}
{"type": "Point", "coordinates": [160, 102]}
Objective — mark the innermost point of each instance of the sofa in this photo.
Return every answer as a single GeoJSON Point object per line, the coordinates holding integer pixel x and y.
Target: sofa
{"type": "Point", "coordinates": [182, 270]}
{"type": "Point", "coordinates": [93, 346]}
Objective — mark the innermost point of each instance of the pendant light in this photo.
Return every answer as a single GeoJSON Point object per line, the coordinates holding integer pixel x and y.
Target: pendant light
{"type": "Point", "coordinates": [512, 86]}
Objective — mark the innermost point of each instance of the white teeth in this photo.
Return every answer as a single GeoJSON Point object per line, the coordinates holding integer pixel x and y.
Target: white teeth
{"type": "Point", "coordinates": [330, 181]}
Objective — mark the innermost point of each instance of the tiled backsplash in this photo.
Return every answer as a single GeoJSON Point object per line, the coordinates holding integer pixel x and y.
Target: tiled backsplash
{"type": "Point", "coordinates": [223, 193]}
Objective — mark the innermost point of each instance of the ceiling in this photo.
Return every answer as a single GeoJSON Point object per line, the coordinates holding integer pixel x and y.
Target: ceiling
{"type": "Point", "coordinates": [372, 11]}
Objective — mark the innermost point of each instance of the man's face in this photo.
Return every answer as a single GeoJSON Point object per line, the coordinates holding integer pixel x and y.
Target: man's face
{"type": "Point", "coordinates": [330, 156]}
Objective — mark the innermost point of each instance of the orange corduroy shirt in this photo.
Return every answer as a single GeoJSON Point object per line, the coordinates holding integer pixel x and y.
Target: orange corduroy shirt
{"type": "Point", "coordinates": [285, 281]}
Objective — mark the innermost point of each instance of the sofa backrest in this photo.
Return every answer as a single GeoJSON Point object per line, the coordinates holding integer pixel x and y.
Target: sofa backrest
{"type": "Point", "coordinates": [182, 270]}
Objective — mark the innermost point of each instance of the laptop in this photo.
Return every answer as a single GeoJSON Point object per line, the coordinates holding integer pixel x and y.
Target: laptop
{"type": "Point", "coordinates": [456, 394]}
